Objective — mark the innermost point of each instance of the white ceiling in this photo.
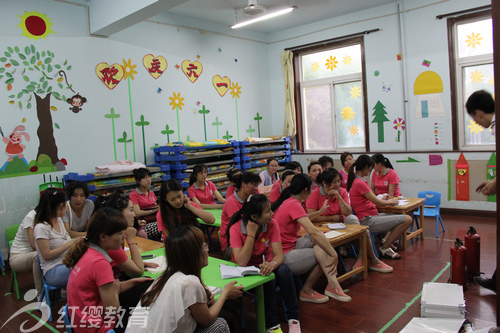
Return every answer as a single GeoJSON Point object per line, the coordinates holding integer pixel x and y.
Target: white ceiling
{"type": "Point", "coordinates": [309, 11]}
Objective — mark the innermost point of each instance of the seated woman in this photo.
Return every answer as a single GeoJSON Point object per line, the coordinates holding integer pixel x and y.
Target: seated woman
{"type": "Point", "coordinates": [326, 162]}
{"type": "Point", "coordinates": [178, 301]}
{"type": "Point", "coordinates": [346, 159]}
{"type": "Point", "coordinates": [51, 238]}
{"type": "Point", "coordinates": [339, 210]}
{"type": "Point", "coordinates": [145, 206]}
{"type": "Point", "coordinates": [286, 178]}
{"type": "Point", "coordinates": [92, 284]}
{"type": "Point", "coordinates": [270, 175]}
{"type": "Point", "coordinates": [384, 180]}
{"type": "Point", "coordinates": [293, 166]}
{"type": "Point", "coordinates": [313, 170]}
{"type": "Point", "coordinates": [176, 209]}
{"type": "Point", "coordinates": [247, 184]}
{"type": "Point", "coordinates": [365, 202]}
{"type": "Point", "coordinates": [202, 191]}
{"type": "Point", "coordinates": [230, 175]}
{"type": "Point", "coordinates": [79, 210]}
{"type": "Point", "coordinates": [254, 222]}
{"type": "Point", "coordinates": [23, 251]}
{"type": "Point", "coordinates": [310, 253]}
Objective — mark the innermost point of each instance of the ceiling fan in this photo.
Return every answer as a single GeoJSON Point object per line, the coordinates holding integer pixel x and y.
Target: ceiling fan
{"type": "Point", "coordinates": [253, 8]}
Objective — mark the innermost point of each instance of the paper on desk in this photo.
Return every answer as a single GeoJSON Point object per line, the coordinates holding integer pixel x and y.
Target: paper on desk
{"type": "Point", "coordinates": [214, 290]}
{"type": "Point", "coordinates": [161, 261]}
{"type": "Point", "coordinates": [332, 234]}
{"type": "Point", "coordinates": [403, 202]}
{"type": "Point", "coordinates": [444, 325]}
{"type": "Point", "coordinates": [335, 226]}
{"type": "Point", "coordinates": [126, 248]}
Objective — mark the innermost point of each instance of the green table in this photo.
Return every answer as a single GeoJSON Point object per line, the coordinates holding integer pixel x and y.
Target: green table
{"type": "Point", "coordinates": [211, 277]}
{"type": "Point", "coordinates": [217, 213]}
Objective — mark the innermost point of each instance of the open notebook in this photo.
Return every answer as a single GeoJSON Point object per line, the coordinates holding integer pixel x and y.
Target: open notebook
{"type": "Point", "coordinates": [160, 260]}
{"type": "Point", "coordinates": [228, 272]}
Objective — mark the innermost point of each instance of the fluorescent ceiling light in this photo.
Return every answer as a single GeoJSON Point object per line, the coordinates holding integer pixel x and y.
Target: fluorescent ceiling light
{"type": "Point", "coordinates": [265, 17]}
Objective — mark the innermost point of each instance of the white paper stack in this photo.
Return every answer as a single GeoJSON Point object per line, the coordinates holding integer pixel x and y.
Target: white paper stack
{"type": "Point", "coordinates": [442, 300]}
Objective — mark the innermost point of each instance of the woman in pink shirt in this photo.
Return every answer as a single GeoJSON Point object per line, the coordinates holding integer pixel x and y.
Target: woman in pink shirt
{"type": "Point", "coordinates": [202, 191]}
{"type": "Point", "coordinates": [313, 170]}
{"type": "Point", "coordinates": [176, 209]}
{"type": "Point", "coordinates": [145, 205]}
{"type": "Point", "coordinates": [310, 253]}
{"type": "Point", "coordinates": [347, 160]}
{"type": "Point", "coordinates": [384, 179]}
{"type": "Point", "coordinates": [364, 203]}
{"type": "Point", "coordinates": [286, 178]}
{"type": "Point", "coordinates": [230, 174]}
{"type": "Point", "coordinates": [92, 288]}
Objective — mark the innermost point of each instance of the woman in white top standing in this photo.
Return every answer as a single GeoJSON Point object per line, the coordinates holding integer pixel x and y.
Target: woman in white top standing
{"type": "Point", "coordinates": [23, 251]}
{"type": "Point", "coordinates": [79, 210]}
{"type": "Point", "coordinates": [52, 239]}
{"type": "Point", "coordinates": [194, 308]}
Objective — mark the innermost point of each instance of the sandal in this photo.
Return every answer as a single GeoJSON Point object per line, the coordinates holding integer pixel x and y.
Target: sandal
{"type": "Point", "coordinates": [393, 245]}
{"type": "Point", "coordinates": [389, 253]}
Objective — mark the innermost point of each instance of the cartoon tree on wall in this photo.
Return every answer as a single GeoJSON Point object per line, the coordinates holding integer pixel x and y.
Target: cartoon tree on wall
{"type": "Point", "coordinates": [31, 72]}
{"type": "Point", "coordinates": [227, 136]}
{"type": "Point", "coordinates": [258, 118]}
{"type": "Point", "coordinates": [250, 130]}
{"type": "Point", "coordinates": [112, 115]}
{"type": "Point", "coordinates": [380, 118]}
{"type": "Point", "coordinates": [217, 123]}
{"type": "Point", "coordinates": [204, 111]}
{"type": "Point", "coordinates": [143, 123]}
{"type": "Point", "coordinates": [167, 131]}
{"type": "Point", "coordinates": [124, 140]}
{"type": "Point", "coordinates": [235, 93]}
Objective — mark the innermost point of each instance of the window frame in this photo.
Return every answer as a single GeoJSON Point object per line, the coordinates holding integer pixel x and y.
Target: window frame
{"type": "Point", "coordinates": [300, 139]}
{"type": "Point", "coordinates": [456, 80]}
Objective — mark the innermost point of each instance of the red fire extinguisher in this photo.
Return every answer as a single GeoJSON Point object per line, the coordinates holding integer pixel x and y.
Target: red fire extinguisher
{"type": "Point", "coordinates": [458, 264]}
{"type": "Point", "coordinates": [473, 245]}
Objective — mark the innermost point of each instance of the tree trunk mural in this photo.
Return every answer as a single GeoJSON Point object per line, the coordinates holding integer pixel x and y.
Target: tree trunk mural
{"type": "Point", "coordinates": [45, 130]}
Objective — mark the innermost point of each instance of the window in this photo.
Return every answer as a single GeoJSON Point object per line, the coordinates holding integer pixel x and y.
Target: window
{"type": "Point", "coordinates": [331, 101]}
{"type": "Point", "coordinates": [472, 70]}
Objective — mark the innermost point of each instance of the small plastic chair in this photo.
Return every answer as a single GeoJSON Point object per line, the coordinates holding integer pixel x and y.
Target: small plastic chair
{"type": "Point", "coordinates": [11, 232]}
{"type": "Point", "coordinates": [431, 208]}
{"type": "Point", "coordinates": [45, 291]}
{"type": "Point", "coordinates": [2, 264]}
{"type": "Point", "coordinates": [67, 322]}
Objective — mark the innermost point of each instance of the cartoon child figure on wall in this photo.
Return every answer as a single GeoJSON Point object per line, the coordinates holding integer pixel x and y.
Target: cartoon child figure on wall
{"type": "Point", "coordinates": [14, 145]}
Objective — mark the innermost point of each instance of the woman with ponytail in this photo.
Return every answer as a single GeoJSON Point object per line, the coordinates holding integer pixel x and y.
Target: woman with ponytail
{"type": "Point", "coordinates": [178, 301]}
{"type": "Point", "coordinates": [51, 238]}
{"type": "Point", "coordinates": [254, 222]}
{"type": "Point", "coordinates": [286, 178]}
{"type": "Point", "coordinates": [339, 210]}
{"type": "Point", "coordinates": [311, 252]}
{"type": "Point", "coordinates": [230, 174]}
{"type": "Point", "coordinates": [384, 180]}
{"type": "Point", "coordinates": [92, 287]}
{"type": "Point", "coordinates": [364, 202]}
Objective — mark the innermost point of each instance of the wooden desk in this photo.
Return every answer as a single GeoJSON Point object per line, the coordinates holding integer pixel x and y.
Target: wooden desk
{"type": "Point", "coordinates": [413, 204]}
{"type": "Point", "coordinates": [351, 233]}
{"type": "Point", "coordinates": [145, 245]}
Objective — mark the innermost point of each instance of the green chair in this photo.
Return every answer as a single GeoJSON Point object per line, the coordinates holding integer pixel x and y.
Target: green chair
{"type": "Point", "coordinates": [11, 232]}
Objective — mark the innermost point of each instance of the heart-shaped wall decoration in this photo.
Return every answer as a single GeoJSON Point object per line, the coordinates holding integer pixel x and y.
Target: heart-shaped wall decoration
{"type": "Point", "coordinates": [192, 69]}
{"type": "Point", "coordinates": [154, 65]}
{"type": "Point", "coordinates": [109, 75]}
{"type": "Point", "coordinates": [221, 84]}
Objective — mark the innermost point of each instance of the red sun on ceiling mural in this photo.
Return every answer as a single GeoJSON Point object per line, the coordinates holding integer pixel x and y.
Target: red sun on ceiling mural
{"type": "Point", "coordinates": [35, 25]}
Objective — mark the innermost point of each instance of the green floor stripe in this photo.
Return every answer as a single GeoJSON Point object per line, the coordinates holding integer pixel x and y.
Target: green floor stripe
{"type": "Point", "coordinates": [45, 324]}
{"type": "Point", "coordinates": [438, 239]}
{"type": "Point", "coordinates": [7, 294]}
{"type": "Point", "coordinates": [400, 313]}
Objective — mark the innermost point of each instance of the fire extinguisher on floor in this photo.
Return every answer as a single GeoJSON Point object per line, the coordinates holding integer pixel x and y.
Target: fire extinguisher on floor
{"type": "Point", "coordinates": [473, 245]}
{"type": "Point", "coordinates": [458, 263]}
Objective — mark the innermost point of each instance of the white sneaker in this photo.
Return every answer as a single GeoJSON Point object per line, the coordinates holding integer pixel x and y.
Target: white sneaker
{"type": "Point", "coordinates": [293, 326]}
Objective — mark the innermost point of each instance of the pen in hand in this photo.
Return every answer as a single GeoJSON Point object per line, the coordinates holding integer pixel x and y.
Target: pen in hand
{"type": "Point", "coordinates": [263, 261]}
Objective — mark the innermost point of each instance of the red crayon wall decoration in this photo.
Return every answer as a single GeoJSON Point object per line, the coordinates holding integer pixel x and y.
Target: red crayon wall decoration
{"type": "Point", "coordinates": [462, 176]}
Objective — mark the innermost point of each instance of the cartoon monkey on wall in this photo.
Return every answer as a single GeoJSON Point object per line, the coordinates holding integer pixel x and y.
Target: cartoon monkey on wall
{"type": "Point", "coordinates": [76, 102]}
{"type": "Point", "coordinates": [14, 146]}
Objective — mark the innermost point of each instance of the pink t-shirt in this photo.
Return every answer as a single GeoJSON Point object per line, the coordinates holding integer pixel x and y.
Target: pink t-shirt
{"type": "Point", "coordinates": [277, 184]}
{"type": "Point", "coordinates": [205, 196]}
{"type": "Point", "coordinates": [262, 244]}
{"type": "Point", "coordinates": [286, 216]}
{"type": "Point", "coordinates": [360, 204]}
{"type": "Point", "coordinates": [275, 194]}
{"type": "Point", "coordinates": [145, 202]}
{"type": "Point", "coordinates": [317, 198]}
{"type": "Point", "coordinates": [344, 177]}
{"type": "Point", "coordinates": [159, 220]}
{"type": "Point", "coordinates": [232, 205]}
{"type": "Point", "coordinates": [118, 257]}
{"type": "Point", "coordinates": [230, 190]}
{"type": "Point", "coordinates": [381, 182]}
{"type": "Point", "coordinates": [314, 186]}
{"type": "Point", "coordinates": [92, 271]}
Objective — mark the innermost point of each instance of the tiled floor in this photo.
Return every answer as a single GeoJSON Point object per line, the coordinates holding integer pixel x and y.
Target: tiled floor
{"type": "Point", "coordinates": [378, 303]}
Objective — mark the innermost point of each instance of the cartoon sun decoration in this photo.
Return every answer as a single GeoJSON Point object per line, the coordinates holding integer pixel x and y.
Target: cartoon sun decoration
{"type": "Point", "coordinates": [473, 40]}
{"type": "Point", "coordinates": [35, 25]}
{"type": "Point", "coordinates": [347, 113]}
{"type": "Point", "coordinates": [354, 130]}
{"type": "Point", "coordinates": [315, 66]}
{"type": "Point", "coordinates": [347, 60]}
{"type": "Point", "coordinates": [355, 91]}
{"type": "Point", "coordinates": [476, 76]}
{"type": "Point", "coordinates": [475, 127]}
{"type": "Point", "coordinates": [331, 63]}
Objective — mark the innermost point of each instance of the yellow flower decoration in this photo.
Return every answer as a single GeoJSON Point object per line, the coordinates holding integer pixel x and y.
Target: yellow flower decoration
{"type": "Point", "coordinates": [475, 127]}
{"type": "Point", "coordinates": [176, 101]}
{"type": "Point", "coordinates": [347, 60]}
{"type": "Point", "coordinates": [491, 81]}
{"type": "Point", "coordinates": [235, 90]}
{"type": "Point", "coordinates": [128, 68]}
{"type": "Point", "coordinates": [355, 91]}
{"type": "Point", "coordinates": [473, 40]}
{"type": "Point", "coordinates": [315, 66]}
{"type": "Point", "coordinates": [476, 76]}
{"type": "Point", "coordinates": [354, 130]}
{"type": "Point", "coordinates": [331, 63]}
{"type": "Point", "coordinates": [347, 113]}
